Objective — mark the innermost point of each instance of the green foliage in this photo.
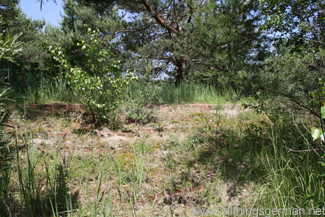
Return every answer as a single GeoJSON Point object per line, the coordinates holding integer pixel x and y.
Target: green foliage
{"type": "Point", "coordinates": [96, 76]}
{"type": "Point", "coordinates": [228, 39]}
{"type": "Point", "coordinates": [77, 18]}
{"type": "Point", "coordinates": [50, 90]}
{"type": "Point", "coordinates": [161, 92]}
{"type": "Point", "coordinates": [293, 80]}
{"type": "Point", "coordinates": [30, 34]}
{"type": "Point", "coordinates": [301, 22]}
{"type": "Point", "coordinates": [9, 46]}
{"type": "Point", "coordinates": [53, 197]}
{"type": "Point", "coordinates": [158, 33]}
{"type": "Point", "coordinates": [77, 13]}
{"type": "Point", "coordinates": [222, 42]}
{"type": "Point", "coordinates": [317, 133]}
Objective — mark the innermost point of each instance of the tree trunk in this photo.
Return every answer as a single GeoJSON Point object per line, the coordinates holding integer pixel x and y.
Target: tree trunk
{"type": "Point", "coordinates": [181, 72]}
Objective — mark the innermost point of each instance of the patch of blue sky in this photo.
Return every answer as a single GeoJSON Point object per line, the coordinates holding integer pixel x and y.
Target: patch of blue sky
{"type": "Point", "coordinates": [50, 11]}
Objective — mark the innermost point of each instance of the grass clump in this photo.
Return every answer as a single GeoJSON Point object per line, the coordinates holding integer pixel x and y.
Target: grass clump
{"type": "Point", "coordinates": [50, 90]}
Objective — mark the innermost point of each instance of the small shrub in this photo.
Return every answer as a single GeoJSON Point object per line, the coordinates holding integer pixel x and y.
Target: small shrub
{"type": "Point", "coordinates": [139, 114]}
{"type": "Point", "coordinates": [114, 120]}
{"type": "Point", "coordinates": [95, 75]}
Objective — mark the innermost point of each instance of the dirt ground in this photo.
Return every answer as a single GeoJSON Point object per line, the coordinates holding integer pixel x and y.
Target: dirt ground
{"type": "Point", "coordinates": [171, 176]}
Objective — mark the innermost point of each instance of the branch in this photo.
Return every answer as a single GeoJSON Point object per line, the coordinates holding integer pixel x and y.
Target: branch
{"type": "Point", "coordinates": [295, 101]}
{"type": "Point", "coordinates": [158, 12]}
{"type": "Point", "coordinates": [302, 150]}
{"type": "Point", "coordinates": [309, 40]}
{"type": "Point", "coordinates": [157, 17]}
{"type": "Point", "coordinates": [159, 68]}
{"type": "Point", "coordinates": [42, 2]}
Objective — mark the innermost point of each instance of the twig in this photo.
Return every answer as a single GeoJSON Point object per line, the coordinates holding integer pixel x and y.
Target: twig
{"type": "Point", "coordinates": [302, 150]}
{"type": "Point", "coordinates": [15, 180]}
{"type": "Point", "coordinates": [306, 128]}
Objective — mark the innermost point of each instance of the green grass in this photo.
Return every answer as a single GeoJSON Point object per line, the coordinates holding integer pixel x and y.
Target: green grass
{"type": "Point", "coordinates": [50, 90]}
{"type": "Point", "coordinates": [163, 93]}
{"type": "Point", "coordinates": [56, 90]}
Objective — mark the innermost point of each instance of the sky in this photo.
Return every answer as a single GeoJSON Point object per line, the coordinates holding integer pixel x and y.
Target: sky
{"type": "Point", "coordinates": [50, 11]}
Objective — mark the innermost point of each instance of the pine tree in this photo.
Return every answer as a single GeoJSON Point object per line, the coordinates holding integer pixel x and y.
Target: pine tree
{"type": "Point", "coordinates": [229, 39]}
{"type": "Point", "coordinates": [153, 35]}
{"type": "Point", "coordinates": [165, 32]}
{"type": "Point", "coordinates": [78, 17]}
{"type": "Point", "coordinates": [161, 36]}
{"type": "Point", "coordinates": [18, 22]}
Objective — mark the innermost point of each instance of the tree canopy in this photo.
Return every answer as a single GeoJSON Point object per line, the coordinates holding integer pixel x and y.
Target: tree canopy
{"type": "Point", "coordinates": [171, 37]}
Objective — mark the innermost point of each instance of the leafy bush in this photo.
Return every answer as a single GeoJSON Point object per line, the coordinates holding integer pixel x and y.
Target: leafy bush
{"type": "Point", "coordinates": [94, 74]}
{"type": "Point", "coordinates": [9, 44]}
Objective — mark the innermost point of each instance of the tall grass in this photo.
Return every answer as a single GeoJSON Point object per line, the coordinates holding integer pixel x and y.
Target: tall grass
{"type": "Point", "coordinates": [292, 179]}
{"type": "Point", "coordinates": [42, 192]}
{"type": "Point", "coordinates": [42, 186]}
{"type": "Point", "coordinates": [184, 93]}
{"type": "Point", "coordinates": [275, 159]}
{"type": "Point", "coordinates": [50, 90]}
{"type": "Point", "coordinates": [56, 90]}
{"type": "Point", "coordinates": [286, 173]}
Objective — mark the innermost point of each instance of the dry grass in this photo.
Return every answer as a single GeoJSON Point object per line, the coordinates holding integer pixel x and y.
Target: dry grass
{"type": "Point", "coordinates": [164, 173]}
